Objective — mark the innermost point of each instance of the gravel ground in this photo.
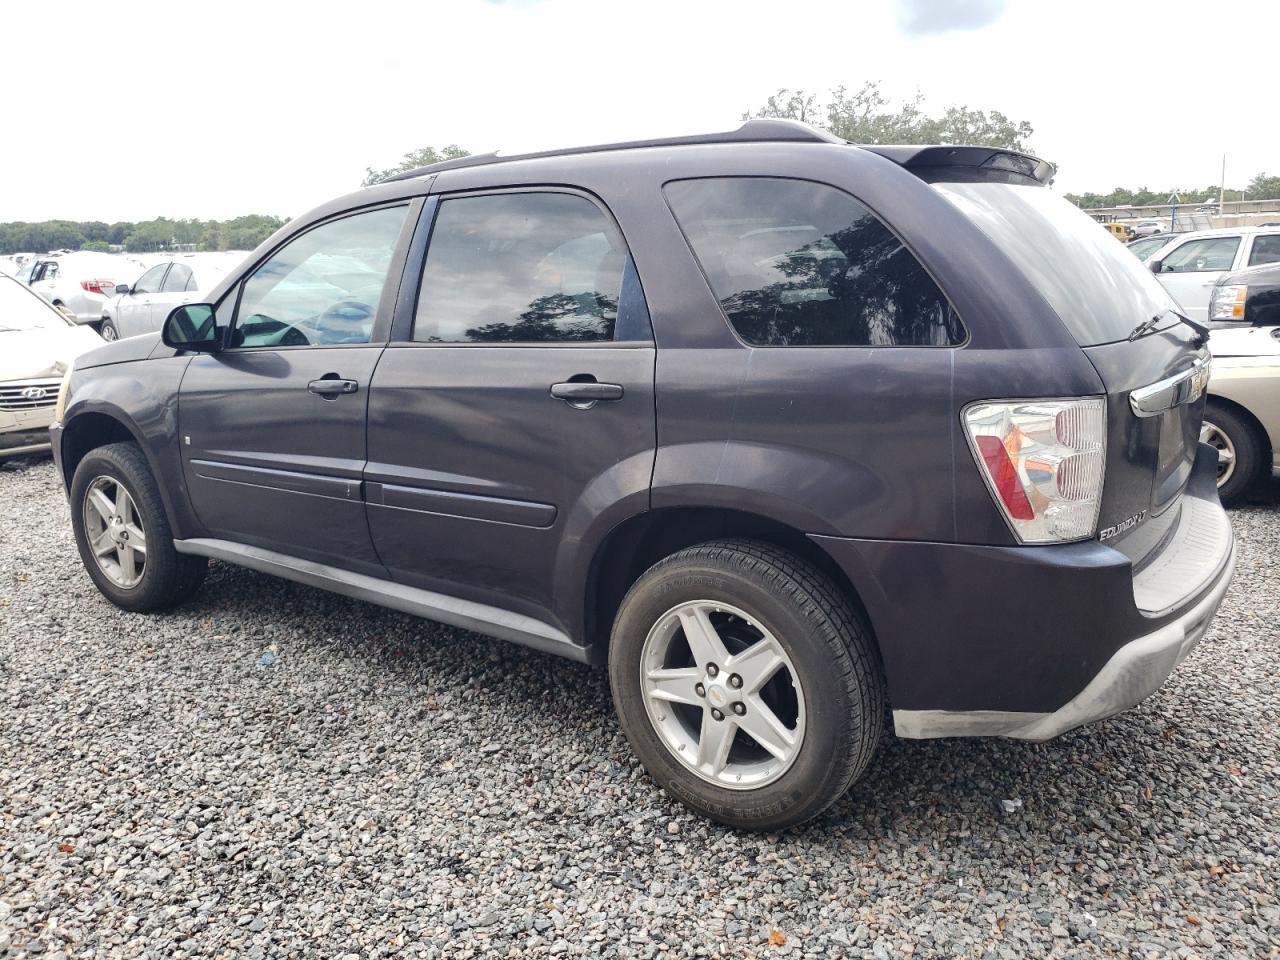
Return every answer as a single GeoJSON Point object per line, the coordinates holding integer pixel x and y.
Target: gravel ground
{"type": "Point", "coordinates": [276, 771]}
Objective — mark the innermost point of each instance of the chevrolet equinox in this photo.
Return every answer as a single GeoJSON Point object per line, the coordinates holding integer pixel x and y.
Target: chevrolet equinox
{"type": "Point", "coordinates": [795, 435]}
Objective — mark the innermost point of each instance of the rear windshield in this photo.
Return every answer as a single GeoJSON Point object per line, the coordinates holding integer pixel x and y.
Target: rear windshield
{"type": "Point", "coordinates": [1099, 289]}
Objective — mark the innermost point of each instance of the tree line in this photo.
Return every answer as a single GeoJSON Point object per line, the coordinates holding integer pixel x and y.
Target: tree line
{"type": "Point", "coordinates": [864, 115]}
{"type": "Point", "coordinates": [1261, 187]}
{"type": "Point", "coordinates": [146, 236]}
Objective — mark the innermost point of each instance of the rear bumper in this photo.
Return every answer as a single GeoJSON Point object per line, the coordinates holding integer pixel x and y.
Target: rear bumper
{"type": "Point", "coordinates": [1134, 672]}
{"type": "Point", "coordinates": [1029, 642]}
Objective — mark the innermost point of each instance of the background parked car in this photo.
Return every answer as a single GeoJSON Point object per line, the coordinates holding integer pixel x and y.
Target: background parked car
{"type": "Point", "coordinates": [1148, 228]}
{"type": "Point", "coordinates": [141, 307]}
{"type": "Point", "coordinates": [37, 345]}
{"type": "Point", "coordinates": [82, 282]}
{"type": "Point", "coordinates": [1242, 416]}
{"type": "Point", "coordinates": [1191, 266]}
{"type": "Point", "coordinates": [1121, 231]}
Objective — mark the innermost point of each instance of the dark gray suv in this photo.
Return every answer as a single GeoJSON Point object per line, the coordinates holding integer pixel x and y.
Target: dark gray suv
{"type": "Point", "coordinates": [782, 429]}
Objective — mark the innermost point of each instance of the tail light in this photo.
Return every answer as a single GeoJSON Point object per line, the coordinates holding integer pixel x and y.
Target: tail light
{"type": "Point", "coordinates": [1227, 302]}
{"type": "Point", "coordinates": [104, 287]}
{"type": "Point", "coordinates": [1043, 461]}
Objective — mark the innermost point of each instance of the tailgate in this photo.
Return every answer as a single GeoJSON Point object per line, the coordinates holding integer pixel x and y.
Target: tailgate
{"type": "Point", "coordinates": [1155, 400]}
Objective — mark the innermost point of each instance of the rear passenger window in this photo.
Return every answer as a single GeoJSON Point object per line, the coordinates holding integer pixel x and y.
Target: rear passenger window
{"type": "Point", "coordinates": [1266, 249]}
{"type": "Point", "coordinates": [520, 268]}
{"type": "Point", "coordinates": [802, 264]}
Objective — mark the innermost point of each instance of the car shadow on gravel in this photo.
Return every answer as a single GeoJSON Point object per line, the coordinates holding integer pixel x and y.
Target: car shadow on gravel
{"type": "Point", "coordinates": [914, 789]}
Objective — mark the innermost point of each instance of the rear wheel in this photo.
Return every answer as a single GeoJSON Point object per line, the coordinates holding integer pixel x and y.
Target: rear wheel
{"type": "Point", "coordinates": [747, 683]}
{"type": "Point", "coordinates": [1239, 450]}
{"type": "Point", "coordinates": [123, 534]}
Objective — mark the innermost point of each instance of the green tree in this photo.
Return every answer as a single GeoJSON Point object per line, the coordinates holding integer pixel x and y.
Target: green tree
{"type": "Point", "coordinates": [1263, 187]}
{"type": "Point", "coordinates": [866, 115]}
{"type": "Point", "coordinates": [422, 157]}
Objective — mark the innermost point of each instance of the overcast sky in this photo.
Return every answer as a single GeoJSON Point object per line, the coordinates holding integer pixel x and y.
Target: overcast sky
{"type": "Point", "coordinates": [130, 110]}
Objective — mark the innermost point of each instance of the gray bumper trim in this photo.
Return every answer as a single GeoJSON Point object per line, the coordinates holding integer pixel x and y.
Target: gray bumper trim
{"type": "Point", "coordinates": [1134, 672]}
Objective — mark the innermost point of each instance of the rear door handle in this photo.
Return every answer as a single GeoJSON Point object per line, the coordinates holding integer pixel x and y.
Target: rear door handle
{"type": "Point", "coordinates": [330, 388]}
{"type": "Point", "coordinates": [585, 394]}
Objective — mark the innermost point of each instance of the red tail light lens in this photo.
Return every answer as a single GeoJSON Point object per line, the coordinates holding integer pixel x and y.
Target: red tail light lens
{"type": "Point", "coordinates": [1004, 475]}
{"type": "Point", "coordinates": [103, 287]}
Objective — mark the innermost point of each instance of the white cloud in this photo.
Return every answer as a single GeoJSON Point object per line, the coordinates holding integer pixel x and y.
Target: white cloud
{"type": "Point", "coordinates": [923, 17]}
{"type": "Point", "coordinates": [146, 108]}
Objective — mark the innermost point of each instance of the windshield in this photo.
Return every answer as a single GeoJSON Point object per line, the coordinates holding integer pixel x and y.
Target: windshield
{"type": "Point", "coordinates": [1099, 289]}
{"type": "Point", "coordinates": [20, 309]}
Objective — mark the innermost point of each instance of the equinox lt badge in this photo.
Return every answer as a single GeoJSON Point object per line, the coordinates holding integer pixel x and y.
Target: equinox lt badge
{"type": "Point", "coordinates": [1127, 524]}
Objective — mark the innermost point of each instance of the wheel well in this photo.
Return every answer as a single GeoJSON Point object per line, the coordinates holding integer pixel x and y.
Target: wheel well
{"type": "Point", "coordinates": [88, 432]}
{"type": "Point", "coordinates": [636, 544]}
{"type": "Point", "coordinates": [1259, 431]}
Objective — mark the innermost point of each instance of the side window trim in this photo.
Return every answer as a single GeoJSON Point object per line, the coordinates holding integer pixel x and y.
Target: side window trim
{"type": "Point", "coordinates": [382, 320]}
{"type": "Point", "coordinates": [631, 302]}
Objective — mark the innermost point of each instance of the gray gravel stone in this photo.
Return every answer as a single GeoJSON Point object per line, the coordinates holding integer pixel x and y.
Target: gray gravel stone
{"type": "Point", "coordinates": [390, 787]}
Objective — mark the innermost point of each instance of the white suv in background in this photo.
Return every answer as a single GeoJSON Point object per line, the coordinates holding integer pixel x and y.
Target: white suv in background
{"type": "Point", "coordinates": [1191, 266]}
{"type": "Point", "coordinates": [141, 307]}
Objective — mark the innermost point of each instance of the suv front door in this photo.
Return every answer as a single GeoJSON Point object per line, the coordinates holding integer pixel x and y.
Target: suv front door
{"type": "Point", "coordinates": [513, 409]}
{"type": "Point", "coordinates": [134, 309]}
{"type": "Point", "coordinates": [273, 426]}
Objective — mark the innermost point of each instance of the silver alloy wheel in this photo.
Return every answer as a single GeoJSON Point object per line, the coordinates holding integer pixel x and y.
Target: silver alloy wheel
{"type": "Point", "coordinates": [114, 530]}
{"type": "Point", "coordinates": [722, 694]}
{"type": "Point", "coordinates": [107, 332]}
{"type": "Point", "coordinates": [1210, 434]}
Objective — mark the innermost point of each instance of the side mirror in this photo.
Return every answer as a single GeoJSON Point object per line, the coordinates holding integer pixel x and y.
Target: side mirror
{"type": "Point", "coordinates": [122, 288]}
{"type": "Point", "coordinates": [1155, 264]}
{"type": "Point", "coordinates": [192, 326]}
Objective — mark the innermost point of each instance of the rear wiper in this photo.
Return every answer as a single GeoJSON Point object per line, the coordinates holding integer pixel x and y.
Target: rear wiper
{"type": "Point", "coordinates": [1146, 326]}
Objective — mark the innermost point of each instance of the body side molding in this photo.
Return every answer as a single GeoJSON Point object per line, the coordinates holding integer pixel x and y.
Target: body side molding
{"type": "Point", "coordinates": [491, 621]}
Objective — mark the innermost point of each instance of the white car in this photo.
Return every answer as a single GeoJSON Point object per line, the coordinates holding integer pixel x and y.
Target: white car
{"type": "Point", "coordinates": [141, 307]}
{"type": "Point", "coordinates": [37, 346]}
{"type": "Point", "coordinates": [1149, 228]}
{"type": "Point", "coordinates": [1191, 265]}
{"type": "Point", "coordinates": [80, 283]}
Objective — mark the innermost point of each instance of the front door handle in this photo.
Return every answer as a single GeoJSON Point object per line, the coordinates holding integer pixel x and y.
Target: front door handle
{"type": "Point", "coordinates": [330, 388]}
{"type": "Point", "coordinates": [584, 394]}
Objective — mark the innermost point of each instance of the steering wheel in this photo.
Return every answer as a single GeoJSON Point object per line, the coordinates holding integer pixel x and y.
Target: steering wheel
{"type": "Point", "coordinates": [347, 321]}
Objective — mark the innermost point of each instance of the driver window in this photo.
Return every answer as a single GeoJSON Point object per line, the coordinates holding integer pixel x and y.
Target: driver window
{"type": "Point", "coordinates": [149, 282]}
{"type": "Point", "coordinates": [323, 287]}
{"type": "Point", "coordinates": [1200, 256]}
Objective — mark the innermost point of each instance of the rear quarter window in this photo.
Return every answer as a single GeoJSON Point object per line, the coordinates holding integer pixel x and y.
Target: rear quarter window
{"type": "Point", "coordinates": [797, 263]}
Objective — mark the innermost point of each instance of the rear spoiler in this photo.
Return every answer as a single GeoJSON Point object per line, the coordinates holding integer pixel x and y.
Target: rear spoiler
{"type": "Point", "coordinates": [967, 163]}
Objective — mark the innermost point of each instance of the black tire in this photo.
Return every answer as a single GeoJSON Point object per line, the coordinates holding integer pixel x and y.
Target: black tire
{"type": "Point", "coordinates": [831, 649]}
{"type": "Point", "coordinates": [168, 577]}
{"type": "Point", "coordinates": [1247, 446]}
{"type": "Point", "coordinates": [107, 330]}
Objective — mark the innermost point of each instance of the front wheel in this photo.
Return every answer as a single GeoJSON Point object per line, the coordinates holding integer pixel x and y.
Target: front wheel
{"type": "Point", "coordinates": [107, 330]}
{"type": "Point", "coordinates": [1239, 450]}
{"type": "Point", "coordinates": [747, 683]}
{"type": "Point", "coordinates": [123, 534]}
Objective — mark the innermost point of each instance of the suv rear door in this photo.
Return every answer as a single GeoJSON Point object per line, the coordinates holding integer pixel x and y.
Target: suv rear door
{"type": "Point", "coordinates": [273, 426]}
{"type": "Point", "coordinates": [514, 405]}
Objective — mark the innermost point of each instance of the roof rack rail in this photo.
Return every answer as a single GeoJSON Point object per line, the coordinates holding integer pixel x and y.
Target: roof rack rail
{"type": "Point", "coordinates": [756, 130]}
